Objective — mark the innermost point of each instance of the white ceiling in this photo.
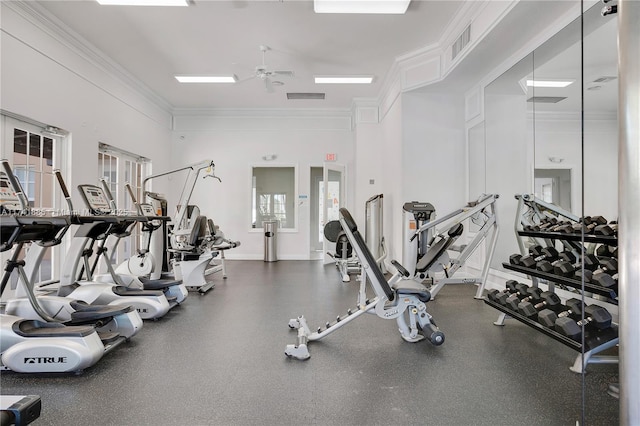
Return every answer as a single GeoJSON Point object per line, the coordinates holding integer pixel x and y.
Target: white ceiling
{"type": "Point", "coordinates": [220, 37]}
{"type": "Point", "coordinates": [560, 58]}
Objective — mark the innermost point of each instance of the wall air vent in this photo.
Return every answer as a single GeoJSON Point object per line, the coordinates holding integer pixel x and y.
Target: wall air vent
{"type": "Point", "coordinates": [604, 79]}
{"type": "Point", "coordinates": [546, 99]}
{"type": "Point", "coordinates": [461, 42]}
{"type": "Point", "coordinates": [305, 96]}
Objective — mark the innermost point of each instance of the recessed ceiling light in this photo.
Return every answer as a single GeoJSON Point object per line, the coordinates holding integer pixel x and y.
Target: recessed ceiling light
{"type": "Point", "coordinates": [207, 78]}
{"type": "Point", "coordinates": [362, 79]}
{"type": "Point", "coordinates": [549, 83]}
{"type": "Point", "coordinates": [361, 6]}
{"type": "Point", "coordinates": [143, 2]}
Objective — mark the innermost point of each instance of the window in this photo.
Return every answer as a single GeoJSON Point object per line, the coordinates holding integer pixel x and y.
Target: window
{"type": "Point", "coordinates": [117, 168]}
{"type": "Point", "coordinates": [33, 166]}
{"type": "Point", "coordinates": [33, 151]}
{"type": "Point", "coordinates": [273, 196]}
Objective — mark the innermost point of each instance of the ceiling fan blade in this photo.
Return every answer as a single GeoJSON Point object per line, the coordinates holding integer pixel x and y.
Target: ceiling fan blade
{"type": "Point", "coordinates": [285, 73]}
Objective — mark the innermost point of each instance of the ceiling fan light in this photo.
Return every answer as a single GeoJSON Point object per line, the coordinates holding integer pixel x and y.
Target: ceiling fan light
{"type": "Point", "coordinates": [143, 2]}
{"type": "Point", "coordinates": [361, 6]}
{"type": "Point", "coordinates": [207, 78]}
{"type": "Point", "coordinates": [336, 79]}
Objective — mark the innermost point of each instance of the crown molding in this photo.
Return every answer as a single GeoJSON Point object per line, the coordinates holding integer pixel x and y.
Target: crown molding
{"type": "Point", "coordinates": [419, 68]}
{"type": "Point", "coordinates": [263, 112]}
{"type": "Point", "coordinates": [59, 31]}
{"type": "Point", "coordinates": [429, 64]}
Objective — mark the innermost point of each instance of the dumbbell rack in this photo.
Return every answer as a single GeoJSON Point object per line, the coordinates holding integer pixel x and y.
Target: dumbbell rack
{"type": "Point", "coordinates": [595, 341]}
{"type": "Point", "coordinates": [569, 282]}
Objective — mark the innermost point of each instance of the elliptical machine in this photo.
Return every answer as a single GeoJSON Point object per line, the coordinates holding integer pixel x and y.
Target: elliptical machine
{"type": "Point", "coordinates": [134, 272]}
{"type": "Point", "coordinates": [150, 304]}
{"type": "Point", "coordinates": [113, 321]}
{"type": "Point", "coordinates": [32, 346]}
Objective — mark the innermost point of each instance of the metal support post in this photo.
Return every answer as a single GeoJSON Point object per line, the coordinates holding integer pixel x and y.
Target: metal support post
{"type": "Point", "coordinates": [628, 207]}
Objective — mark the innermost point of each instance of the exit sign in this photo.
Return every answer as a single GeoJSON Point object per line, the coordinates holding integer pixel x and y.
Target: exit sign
{"type": "Point", "coordinates": [330, 157]}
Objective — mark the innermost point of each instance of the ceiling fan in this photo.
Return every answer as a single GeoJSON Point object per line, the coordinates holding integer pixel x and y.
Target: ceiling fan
{"type": "Point", "coordinates": [263, 73]}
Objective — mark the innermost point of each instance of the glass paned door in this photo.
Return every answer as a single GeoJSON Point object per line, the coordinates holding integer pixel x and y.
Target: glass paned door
{"type": "Point", "coordinates": [333, 188]}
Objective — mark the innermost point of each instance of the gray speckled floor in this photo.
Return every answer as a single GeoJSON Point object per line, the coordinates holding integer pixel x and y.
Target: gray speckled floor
{"type": "Point", "coordinates": [219, 360]}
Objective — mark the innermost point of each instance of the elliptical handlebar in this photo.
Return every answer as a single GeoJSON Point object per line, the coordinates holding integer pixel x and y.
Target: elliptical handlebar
{"type": "Point", "coordinates": [17, 188]}
{"type": "Point", "coordinates": [63, 188]}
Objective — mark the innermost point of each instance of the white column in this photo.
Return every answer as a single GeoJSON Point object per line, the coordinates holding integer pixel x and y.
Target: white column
{"type": "Point", "coordinates": [629, 208]}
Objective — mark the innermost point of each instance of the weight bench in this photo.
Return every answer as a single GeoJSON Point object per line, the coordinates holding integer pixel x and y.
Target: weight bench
{"type": "Point", "coordinates": [394, 299]}
{"type": "Point", "coordinates": [346, 262]}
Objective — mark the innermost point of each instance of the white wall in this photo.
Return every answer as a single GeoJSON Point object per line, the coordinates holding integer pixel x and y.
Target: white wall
{"type": "Point", "coordinates": [235, 144]}
{"type": "Point", "coordinates": [369, 165]}
{"type": "Point", "coordinates": [46, 78]}
{"type": "Point", "coordinates": [509, 163]}
{"type": "Point", "coordinates": [433, 162]}
{"type": "Point", "coordinates": [561, 137]}
{"type": "Point", "coordinates": [391, 166]}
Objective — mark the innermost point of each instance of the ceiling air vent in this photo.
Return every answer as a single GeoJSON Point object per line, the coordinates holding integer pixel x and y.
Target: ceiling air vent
{"type": "Point", "coordinates": [546, 99]}
{"type": "Point", "coordinates": [305, 96]}
{"type": "Point", "coordinates": [461, 42]}
{"type": "Point", "coordinates": [604, 79]}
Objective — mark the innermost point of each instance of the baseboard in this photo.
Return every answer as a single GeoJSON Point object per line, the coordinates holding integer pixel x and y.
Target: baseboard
{"type": "Point", "coordinates": [260, 256]}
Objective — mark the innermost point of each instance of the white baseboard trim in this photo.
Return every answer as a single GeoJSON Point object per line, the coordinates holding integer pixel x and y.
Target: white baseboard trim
{"type": "Point", "coordinates": [260, 256]}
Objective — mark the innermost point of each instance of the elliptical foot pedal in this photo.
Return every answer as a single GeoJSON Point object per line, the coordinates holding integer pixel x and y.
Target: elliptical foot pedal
{"type": "Point", "coordinates": [108, 337]}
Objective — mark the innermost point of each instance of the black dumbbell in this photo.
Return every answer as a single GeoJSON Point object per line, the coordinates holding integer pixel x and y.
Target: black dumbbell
{"type": "Point", "coordinates": [597, 316]}
{"type": "Point", "coordinates": [545, 253]}
{"type": "Point", "coordinates": [594, 220]}
{"type": "Point", "coordinates": [608, 265]}
{"type": "Point", "coordinates": [543, 225]}
{"type": "Point", "coordinates": [594, 265]}
{"type": "Point", "coordinates": [588, 224]}
{"type": "Point", "coordinates": [605, 280]}
{"type": "Point", "coordinates": [500, 296]}
{"type": "Point", "coordinates": [514, 259]}
{"type": "Point", "coordinates": [563, 227]}
{"type": "Point", "coordinates": [549, 266]}
{"type": "Point", "coordinates": [549, 300]}
{"type": "Point", "coordinates": [575, 308]}
{"type": "Point", "coordinates": [567, 268]}
{"type": "Point", "coordinates": [607, 230]}
{"type": "Point", "coordinates": [604, 250]}
{"type": "Point", "coordinates": [523, 293]}
{"type": "Point", "coordinates": [572, 308]}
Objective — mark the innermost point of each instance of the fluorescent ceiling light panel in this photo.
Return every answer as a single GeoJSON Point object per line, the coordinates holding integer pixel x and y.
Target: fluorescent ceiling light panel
{"type": "Point", "coordinates": [549, 83]}
{"type": "Point", "coordinates": [207, 78]}
{"type": "Point", "coordinates": [344, 79]}
{"type": "Point", "coordinates": [361, 6]}
{"type": "Point", "coordinates": [143, 2]}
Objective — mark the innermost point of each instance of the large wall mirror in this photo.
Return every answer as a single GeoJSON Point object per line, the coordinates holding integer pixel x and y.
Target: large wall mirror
{"type": "Point", "coordinates": [534, 137]}
{"type": "Point", "coordinates": [551, 130]}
